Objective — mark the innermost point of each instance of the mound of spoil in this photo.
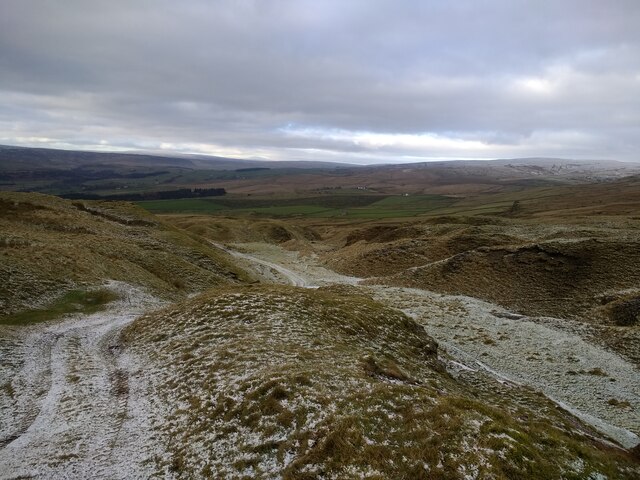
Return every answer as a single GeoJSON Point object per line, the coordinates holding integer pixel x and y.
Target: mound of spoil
{"type": "Point", "coordinates": [560, 278]}
{"type": "Point", "coordinates": [225, 229]}
{"type": "Point", "coordinates": [386, 249]}
{"type": "Point", "coordinates": [283, 382]}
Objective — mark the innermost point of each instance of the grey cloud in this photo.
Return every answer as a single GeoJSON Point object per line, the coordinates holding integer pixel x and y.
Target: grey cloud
{"type": "Point", "coordinates": [509, 73]}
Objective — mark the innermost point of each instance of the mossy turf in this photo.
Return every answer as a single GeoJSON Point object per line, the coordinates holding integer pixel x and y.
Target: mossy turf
{"type": "Point", "coordinates": [75, 301]}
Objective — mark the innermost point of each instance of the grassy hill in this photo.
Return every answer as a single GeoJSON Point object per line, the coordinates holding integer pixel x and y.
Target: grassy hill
{"type": "Point", "coordinates": [50, 247]}
{"type": "Point", "coordinates": [281, 382]}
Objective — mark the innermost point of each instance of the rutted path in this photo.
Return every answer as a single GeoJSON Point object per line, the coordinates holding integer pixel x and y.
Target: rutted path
{"type": "Point", "coordinates": [74, 405]}
{"type": "Point", "coordinates": [596, 385]}
{"type": "Point", "coordinates": [266, 259]}
{"type": "Point", "coordinates": [289, 275]}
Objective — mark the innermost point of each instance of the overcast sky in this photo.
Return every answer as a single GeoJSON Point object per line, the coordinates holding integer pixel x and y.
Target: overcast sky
{"type": "Point", "coordinates": [346, 80]}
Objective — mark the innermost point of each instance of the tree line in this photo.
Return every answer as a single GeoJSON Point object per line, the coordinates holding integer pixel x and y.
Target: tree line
{"type": "Point", "coordinates": [159, 195]}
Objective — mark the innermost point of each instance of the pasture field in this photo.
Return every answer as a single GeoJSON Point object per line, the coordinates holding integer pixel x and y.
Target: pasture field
{"type": "Point", "coordinates": [351, 206]}
{"type": "Point", "coordinates": [597, 199]}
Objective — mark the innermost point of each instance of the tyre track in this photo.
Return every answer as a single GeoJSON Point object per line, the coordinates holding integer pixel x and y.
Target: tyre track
{"type": "Point", "coordinates": [74, 429]}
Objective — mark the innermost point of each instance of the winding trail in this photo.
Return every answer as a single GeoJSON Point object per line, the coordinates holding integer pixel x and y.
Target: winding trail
{"type": "Point", "coordinates": [579, 376]}
{"type": "Point", "coordinates": [292, 277]}
{"type": "Point", "coordinates": [74, 405]}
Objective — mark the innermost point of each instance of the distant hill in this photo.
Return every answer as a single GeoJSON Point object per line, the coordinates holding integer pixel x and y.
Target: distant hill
{"type": "Point", "coordinates": [20, 158]}
{"type": "Point", "coordinates": [100, 174]}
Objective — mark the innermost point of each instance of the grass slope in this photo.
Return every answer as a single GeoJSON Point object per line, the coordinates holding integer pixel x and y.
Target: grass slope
{"type": "Point", "coordinates": [75, 301]}
{"type": "Point", "coordinates": [50, 246]}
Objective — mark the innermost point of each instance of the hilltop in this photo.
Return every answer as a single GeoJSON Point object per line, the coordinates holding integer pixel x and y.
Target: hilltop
{"type": "Point", "coordinates": [265, 382]}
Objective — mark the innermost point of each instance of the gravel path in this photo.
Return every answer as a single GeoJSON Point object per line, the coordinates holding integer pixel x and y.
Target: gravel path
{"type": "Point", "coordinates": [294, 268]}
{"type": "Point", "coordinates": [73, 405]}
{"type": "Point", "coordinates": [266, 268]}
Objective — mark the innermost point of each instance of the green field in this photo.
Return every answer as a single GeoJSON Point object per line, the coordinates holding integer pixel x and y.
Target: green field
{"type": "Point", "coordinates": [286, 211]}
{"type": "Point", "coordinates": [182, 205]}
{"type": "Point", "coordinates": [403, 206]}
{"type": "Point", "coordinates": [352, 206]}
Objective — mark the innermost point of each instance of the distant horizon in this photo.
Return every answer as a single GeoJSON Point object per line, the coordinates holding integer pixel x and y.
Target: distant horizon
{"type": "Point", "coordinates": [167, 154]}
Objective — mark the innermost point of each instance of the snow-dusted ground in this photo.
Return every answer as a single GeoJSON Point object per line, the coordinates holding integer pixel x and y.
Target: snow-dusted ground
{"type": "Point", "coordinates": [72, 404]}
{"type": "Point", "coordinates": [266, 268]}
{"type": "Point", "coordinates": [277, 264]}
{"type": "Point", "coordinates": [597, 385]}
{"type": "Point", "coordinates": [578, 375]}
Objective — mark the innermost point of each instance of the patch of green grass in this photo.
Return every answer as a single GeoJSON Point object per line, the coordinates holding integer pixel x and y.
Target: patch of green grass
{"type": "Point", "coordinates": [353, 206]}
{"type": "Point", "coordinates": [75, 301]}
{"type": "Point", "coordinates": [402, 206]}
{"type": "Point", "coordinates": [326, 205]}
{"type": "Point", "coordinates": [333, 201]}
{"type": "Point", "coordinates": [286, 211]}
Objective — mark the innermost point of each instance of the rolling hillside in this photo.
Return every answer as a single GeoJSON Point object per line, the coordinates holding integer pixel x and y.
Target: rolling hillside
{"type": "Point", "coordinates": [50, 247]}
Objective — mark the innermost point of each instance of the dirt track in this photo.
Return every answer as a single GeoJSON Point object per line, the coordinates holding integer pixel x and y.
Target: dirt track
{"type": "Point", "coordinates": [76, 403]}
{"type": "Point", "coordinates": [266, 268]}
